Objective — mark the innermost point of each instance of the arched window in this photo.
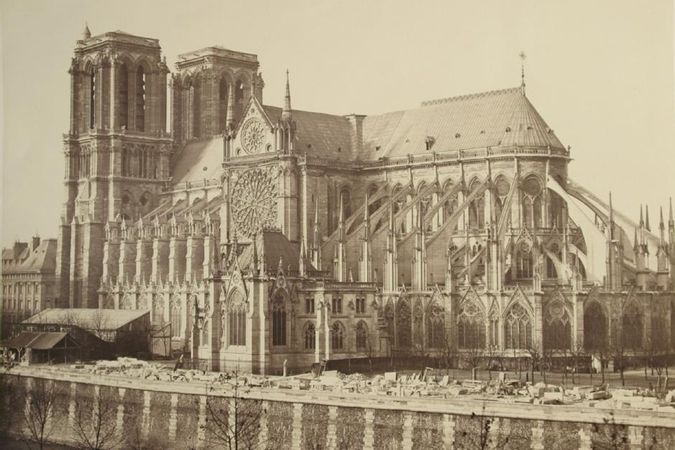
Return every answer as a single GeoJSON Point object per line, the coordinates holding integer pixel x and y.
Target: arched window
{"type": "Point", "coordinates": [176, 318]}
{"type": "Point", "coordinates": [477, 208]}
{"type": "Point", "coordinates": [360, 305]}
{"type": "Point", "coordinates": [595, 327]}
{"type": "Point", "coordinates": [494, 327]}
{"type": "Point", "coordinates": [336, 305]}
{"type": "Point", "coordinates": [278, 321]}
{"type": "Point", "coordinates": [407, 223]}
{"type": "Point", "coordinates": [158, 311]}
{"type": "Point", "coordinates": [92, 98]}
{"type": "Point", "coordinates": [337, 334]}
{"type": "Point", "coordinates": [362, 336]}
{"type": "Point", "coordinates": [557, 327]}
{"type": "Point", "coordinates": [659, 333]}
{"type": "Point", "coordinates": [470, 326]}
{"type": "Point", "coordinates": [140, 99]}
{"type": "Point", "coordinates": [518, 328]}
{"type": "Point", "coordinates": [223, 88]}
{"type": "Point", "coordinates": [631, 329]}
{"type": "Point", "coordinates": [237, 319]}
{"type": "Point", "coordinates": [555, 208]}
{"type": "Point", "coordinates": [550, 269]}
{"type": "Point", "coordinates": [524, 263]}
{"type": "Point", "coordinates": [239, 97]}
{"type": "Point", "coordinates": [374, 206]}
{"type": "Point", "coordinates": [196, 90]}
{"type": "Point", "coordinates": [449, 207]}
{"type": "Point", "coordinates": [204, 335]}
{"type": "Point", "coordinates": [310, 336]}
{"type": "Point", "coordinates": [403, 324]}
{"type": "Point", "coordinates": [502, 191]}
{"type": "Point", "coordinates": [346, 199]}
{"type": "Point", "coordinates": [531, 202]}
{"type": "Point", "coordinates": [389, 316]}
{"type": "Point", "coordinates": [418, 317]}
{"type": "Point", "coordinates": [435, 328]}
{"type": "Point", "coordinates": [123, 95]}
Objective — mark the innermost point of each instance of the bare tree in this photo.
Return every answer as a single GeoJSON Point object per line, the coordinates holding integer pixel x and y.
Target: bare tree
{"type": "Point", "coordinates": [534, 351]}
{"type": "Point", "coordinates": [492, 354]}
{"type": "Point", "coordinates": [449, 351]}
{"type": "Point", "coordinates": [97, 429]}
{"type": "Point", "coordinates": [483, 432]}
{"type": "Point", "coordinates": [610, 435]}
{"type": "Point", "coordinates": [618, 351]}
{"type": "Point", "coordinates": [472, 357]}
{"type": "Point", "coordinates": [235, 426]}
{"type": "Point", "coordinates": [37, 415]}
{"type": "Point", "coordinates": [8, 399]}
{"type": "Point", "coordinates": [98, 325]}
{"type": "Point", "coordinates": [576, 353]}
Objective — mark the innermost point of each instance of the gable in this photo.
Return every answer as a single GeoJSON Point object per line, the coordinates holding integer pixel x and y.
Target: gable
{"type": "Point", "coordinates": [254, 133]}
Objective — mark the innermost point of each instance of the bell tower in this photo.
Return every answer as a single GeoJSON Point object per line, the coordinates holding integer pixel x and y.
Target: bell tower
{"type": "Point", "coordinates": [117, 151]}
{"type": "Point", "coordinates": [210, 91]}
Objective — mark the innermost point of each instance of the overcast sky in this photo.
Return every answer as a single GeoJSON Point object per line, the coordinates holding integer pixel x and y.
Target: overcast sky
{"type": "Point", "coordinates": [600, 73]}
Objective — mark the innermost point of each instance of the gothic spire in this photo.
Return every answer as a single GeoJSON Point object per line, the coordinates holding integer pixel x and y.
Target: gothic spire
{"type": "Point", "coordinates": [254, 261]}
{"type": "Point", "coordinates": [611, 218]}
{"type": "Point", "coordinates": [341, 219]}
{"type": "Point", "coordinates": [662, 228]}
{"type": "Point", "coordinates": [642, 220]}
{"type": "Point", "coordinates": [647, 218]}
{"type": "Point", "coordinates": [301, 262]}
{"type": "Point", "coordinates": [366, 218]}
{"type": "Point", "coordinates": [523, 56]}
{"type": "Point", "coordinates": [86, 34]}
{"type": "Point", "coordinates": [286, 112]}
{"type": "Point", "coordinates": [671, 223]}
{"type": "Point", "coordinates": [229, 119]}
{"type": "Point", "coordinates": [636, 244]}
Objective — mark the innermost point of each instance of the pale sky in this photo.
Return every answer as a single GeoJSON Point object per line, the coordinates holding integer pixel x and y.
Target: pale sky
{"type": "Point", "coordinates": [599, 72]}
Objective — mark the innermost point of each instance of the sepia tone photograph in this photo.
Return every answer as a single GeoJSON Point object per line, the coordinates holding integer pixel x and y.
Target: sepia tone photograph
{"type": "Point", "coordinates": [337, 224]}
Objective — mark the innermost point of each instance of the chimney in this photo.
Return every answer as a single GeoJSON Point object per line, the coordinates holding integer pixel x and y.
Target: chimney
{"type": "Point", "coordinates": [18, 248]}
{"type": "Point", "coordinates": [356, 132]}
{"type": "Point", "coordinates": [35, 243]}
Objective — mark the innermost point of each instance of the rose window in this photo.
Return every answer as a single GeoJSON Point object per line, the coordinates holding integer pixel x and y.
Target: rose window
{"type": "Point", "coordinates": [254, 202]}
{"type": "Point", "coordinates": [252, 135]}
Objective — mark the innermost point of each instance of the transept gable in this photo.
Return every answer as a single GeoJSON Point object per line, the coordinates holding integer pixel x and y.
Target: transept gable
{"type": "Point", "coordinates": [471, 302]}
{"type": "Point", "coordinates": [254, 132]}
{"type": "Point", "coordinates": [557, 306]}
{"type": "Point", "coordinates": [520, 298]}
{"type": "Point", "coordinates": [437, 296]}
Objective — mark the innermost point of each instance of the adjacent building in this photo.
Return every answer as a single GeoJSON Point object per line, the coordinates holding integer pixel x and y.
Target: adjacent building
{"type": "Point", "coordinates": [269, 236]}
{"type": "Point", "coordinates": [28, 280]}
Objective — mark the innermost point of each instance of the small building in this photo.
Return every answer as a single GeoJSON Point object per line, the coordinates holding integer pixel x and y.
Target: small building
{"type": "Point", "coordinates": [99, 333]}
{"type": "Point", "coordinates": [43, 347]}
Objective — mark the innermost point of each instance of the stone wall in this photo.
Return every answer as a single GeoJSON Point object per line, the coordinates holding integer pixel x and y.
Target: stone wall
{"type": "Point", "coordinates": [163, 415]}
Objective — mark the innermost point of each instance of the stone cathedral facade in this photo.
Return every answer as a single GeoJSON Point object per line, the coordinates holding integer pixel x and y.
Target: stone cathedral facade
{"type": "Point", "coordinates": [263, 236]}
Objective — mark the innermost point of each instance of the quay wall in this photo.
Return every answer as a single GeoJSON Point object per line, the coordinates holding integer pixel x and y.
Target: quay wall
{"type": "Point", "coordinates": [152, 414]}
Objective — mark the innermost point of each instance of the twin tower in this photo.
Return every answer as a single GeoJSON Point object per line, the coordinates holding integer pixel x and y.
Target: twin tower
{"type": "Point", "coordinates": [124, 133]}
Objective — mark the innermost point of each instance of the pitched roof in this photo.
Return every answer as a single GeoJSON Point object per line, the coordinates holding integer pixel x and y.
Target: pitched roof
{"type": "Point", "coordinates": [87, 318]}
{"type": "Point", "coordinates": [488, 119]}
{"type": "Point", "coordinates": [318, 134]}
{"type": "Point", "coordinates": [275, 247]}
{"type": "Point", "coordinates": [36, 340]}
{"type": "Point", "coordinates": [199, 160]}
{"type": "Point", "coordinates": [40, 260]}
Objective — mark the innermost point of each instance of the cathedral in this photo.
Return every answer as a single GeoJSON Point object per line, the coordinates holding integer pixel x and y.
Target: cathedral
{"type": "Point", "coordinates": [265, 237]}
